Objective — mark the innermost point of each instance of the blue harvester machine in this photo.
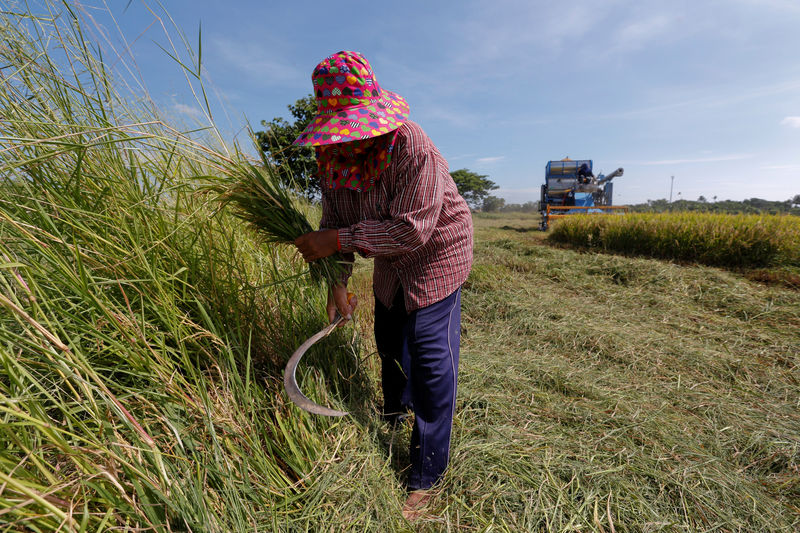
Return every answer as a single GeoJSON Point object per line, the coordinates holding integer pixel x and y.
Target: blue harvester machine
{"type": "Point", "coordinates": [571, 188]}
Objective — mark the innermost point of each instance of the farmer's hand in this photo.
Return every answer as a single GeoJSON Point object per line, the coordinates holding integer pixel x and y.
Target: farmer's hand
{"type": "Point", "coordinates": [338, 300]}
{"type": "Point", "coordinates": [317, 244]}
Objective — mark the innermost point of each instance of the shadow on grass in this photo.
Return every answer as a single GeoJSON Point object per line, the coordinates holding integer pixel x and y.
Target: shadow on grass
{"type": "Point", "coordinates": [779, 277]}
{"type": "Point", "coordinates": [520, 230]}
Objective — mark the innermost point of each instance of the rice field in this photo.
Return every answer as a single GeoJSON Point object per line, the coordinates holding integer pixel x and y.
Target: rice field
{"type": "Point", "coordinates": [711, 239]}
{"type": "Point", "coordinates": [143, 330]}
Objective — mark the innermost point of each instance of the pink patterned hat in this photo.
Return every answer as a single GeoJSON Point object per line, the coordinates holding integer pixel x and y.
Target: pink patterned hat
{"type": "Point", "coordinates": [350, 103]}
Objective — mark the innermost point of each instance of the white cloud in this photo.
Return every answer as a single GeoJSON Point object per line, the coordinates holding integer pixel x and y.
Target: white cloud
{"type": "Point", "coordinates": [780, 167]}
{"type": "Point", "coordinates": [258, 65]}
{"type": "Point", "coordinates": [458, 118]}
{"type": "Point", "coordinates": [790, 6]}
{"type": "Point", "coordinates": [509, 191]}
{"type": "Point", "coordinates": [732, 157]}
{"type": "Point", "coordinates": [184, 109]}
{"type": "Point", "coordinates": [706, 98]}
{"type": "Point", "coordinates": [457, 157]}
{"type": "Point", "coordinates": [518, 195]}
{"type": "Point", "coordinates": [500, 34]}
{"type": "Point", "coordinates": [792, 122]}
{"type": "Point", "coordinates": [639, 32]}
{"type": "Point", "coordinates": [567, 22]}
{"type": "Point", "coordinates": [490, 159]}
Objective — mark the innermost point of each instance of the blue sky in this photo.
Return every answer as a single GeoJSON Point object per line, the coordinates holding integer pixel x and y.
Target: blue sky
{"type": "Point", "coordinates": [707, 91]}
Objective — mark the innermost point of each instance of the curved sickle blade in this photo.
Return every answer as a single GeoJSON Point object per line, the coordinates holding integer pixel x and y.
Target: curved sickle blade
{"type": "Point", "coordinates": [290, 381]}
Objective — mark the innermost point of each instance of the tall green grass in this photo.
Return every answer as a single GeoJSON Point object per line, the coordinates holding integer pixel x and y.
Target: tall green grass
{"type": "Point", "coordinates": [717, 240]}
{"type": "Point", "coordinates": [141, 330]}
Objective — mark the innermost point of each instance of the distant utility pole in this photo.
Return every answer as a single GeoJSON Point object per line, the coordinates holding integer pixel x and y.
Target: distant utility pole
{"type": "Point", "coordinates": [671, 182]}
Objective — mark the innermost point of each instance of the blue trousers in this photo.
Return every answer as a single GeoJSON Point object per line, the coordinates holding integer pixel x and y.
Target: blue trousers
{"type": "Point", "coordinates": [419, 370]}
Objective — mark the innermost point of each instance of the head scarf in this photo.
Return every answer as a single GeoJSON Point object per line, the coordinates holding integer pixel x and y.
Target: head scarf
{"type": "Point", "coordinates": [355, 165]}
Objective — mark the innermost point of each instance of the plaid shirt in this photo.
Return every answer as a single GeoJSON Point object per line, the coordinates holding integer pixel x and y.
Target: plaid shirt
{"type": "Point", "coordinates": [413, 222]}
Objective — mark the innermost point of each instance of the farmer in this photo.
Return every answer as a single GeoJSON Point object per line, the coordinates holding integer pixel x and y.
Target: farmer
{"type": "Point", "coordinates": [584, 174]}
{"type": "Point", "coordinates": [387, 194]}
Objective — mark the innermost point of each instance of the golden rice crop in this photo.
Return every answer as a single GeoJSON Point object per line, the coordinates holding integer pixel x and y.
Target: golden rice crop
{"type": "Point", "coordinates": [712, 239]}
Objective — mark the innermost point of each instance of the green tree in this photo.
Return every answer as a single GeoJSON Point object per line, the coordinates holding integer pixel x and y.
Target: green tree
{"type": "Point", "coordinates": [296, 165]}
{"type": "Point", "coordinates": [472, 186]}
{"type": "Point", "coordinates": [493, 203]}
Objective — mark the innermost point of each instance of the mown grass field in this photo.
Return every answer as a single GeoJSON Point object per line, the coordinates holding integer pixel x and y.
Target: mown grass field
{"type": "Point", "coordinates": [606, 393]}
{"type": "Point", "coordinates": [600, 389]}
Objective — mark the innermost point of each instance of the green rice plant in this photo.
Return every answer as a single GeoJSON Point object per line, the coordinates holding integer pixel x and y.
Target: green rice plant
{"type": "Point", "coordinates": [274, 212]}
{"type": "Point", "coordinates": [712, 239]}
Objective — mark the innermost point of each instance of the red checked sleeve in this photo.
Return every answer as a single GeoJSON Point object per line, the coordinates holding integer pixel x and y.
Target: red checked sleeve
{"type": "Point", "coordinates": [331, 219]}
{"type": "Point", "coordinates": [413, 213]}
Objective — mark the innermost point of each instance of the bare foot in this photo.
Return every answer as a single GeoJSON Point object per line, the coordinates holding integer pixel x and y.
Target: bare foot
{"type": "Point", "coordinates": [414, 508]}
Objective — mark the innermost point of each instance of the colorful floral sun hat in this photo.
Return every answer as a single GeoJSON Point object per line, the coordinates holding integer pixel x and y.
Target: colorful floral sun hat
{"type": "Point", "coordinates": [350, 103]}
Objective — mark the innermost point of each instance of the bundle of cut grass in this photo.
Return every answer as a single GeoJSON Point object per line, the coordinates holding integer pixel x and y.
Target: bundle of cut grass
{"type": "Point", "coordinates": [275, 213]}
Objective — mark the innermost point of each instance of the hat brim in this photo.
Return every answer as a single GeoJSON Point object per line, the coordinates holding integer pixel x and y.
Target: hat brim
{"type": "Point", "coordinates": [356, 122]}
